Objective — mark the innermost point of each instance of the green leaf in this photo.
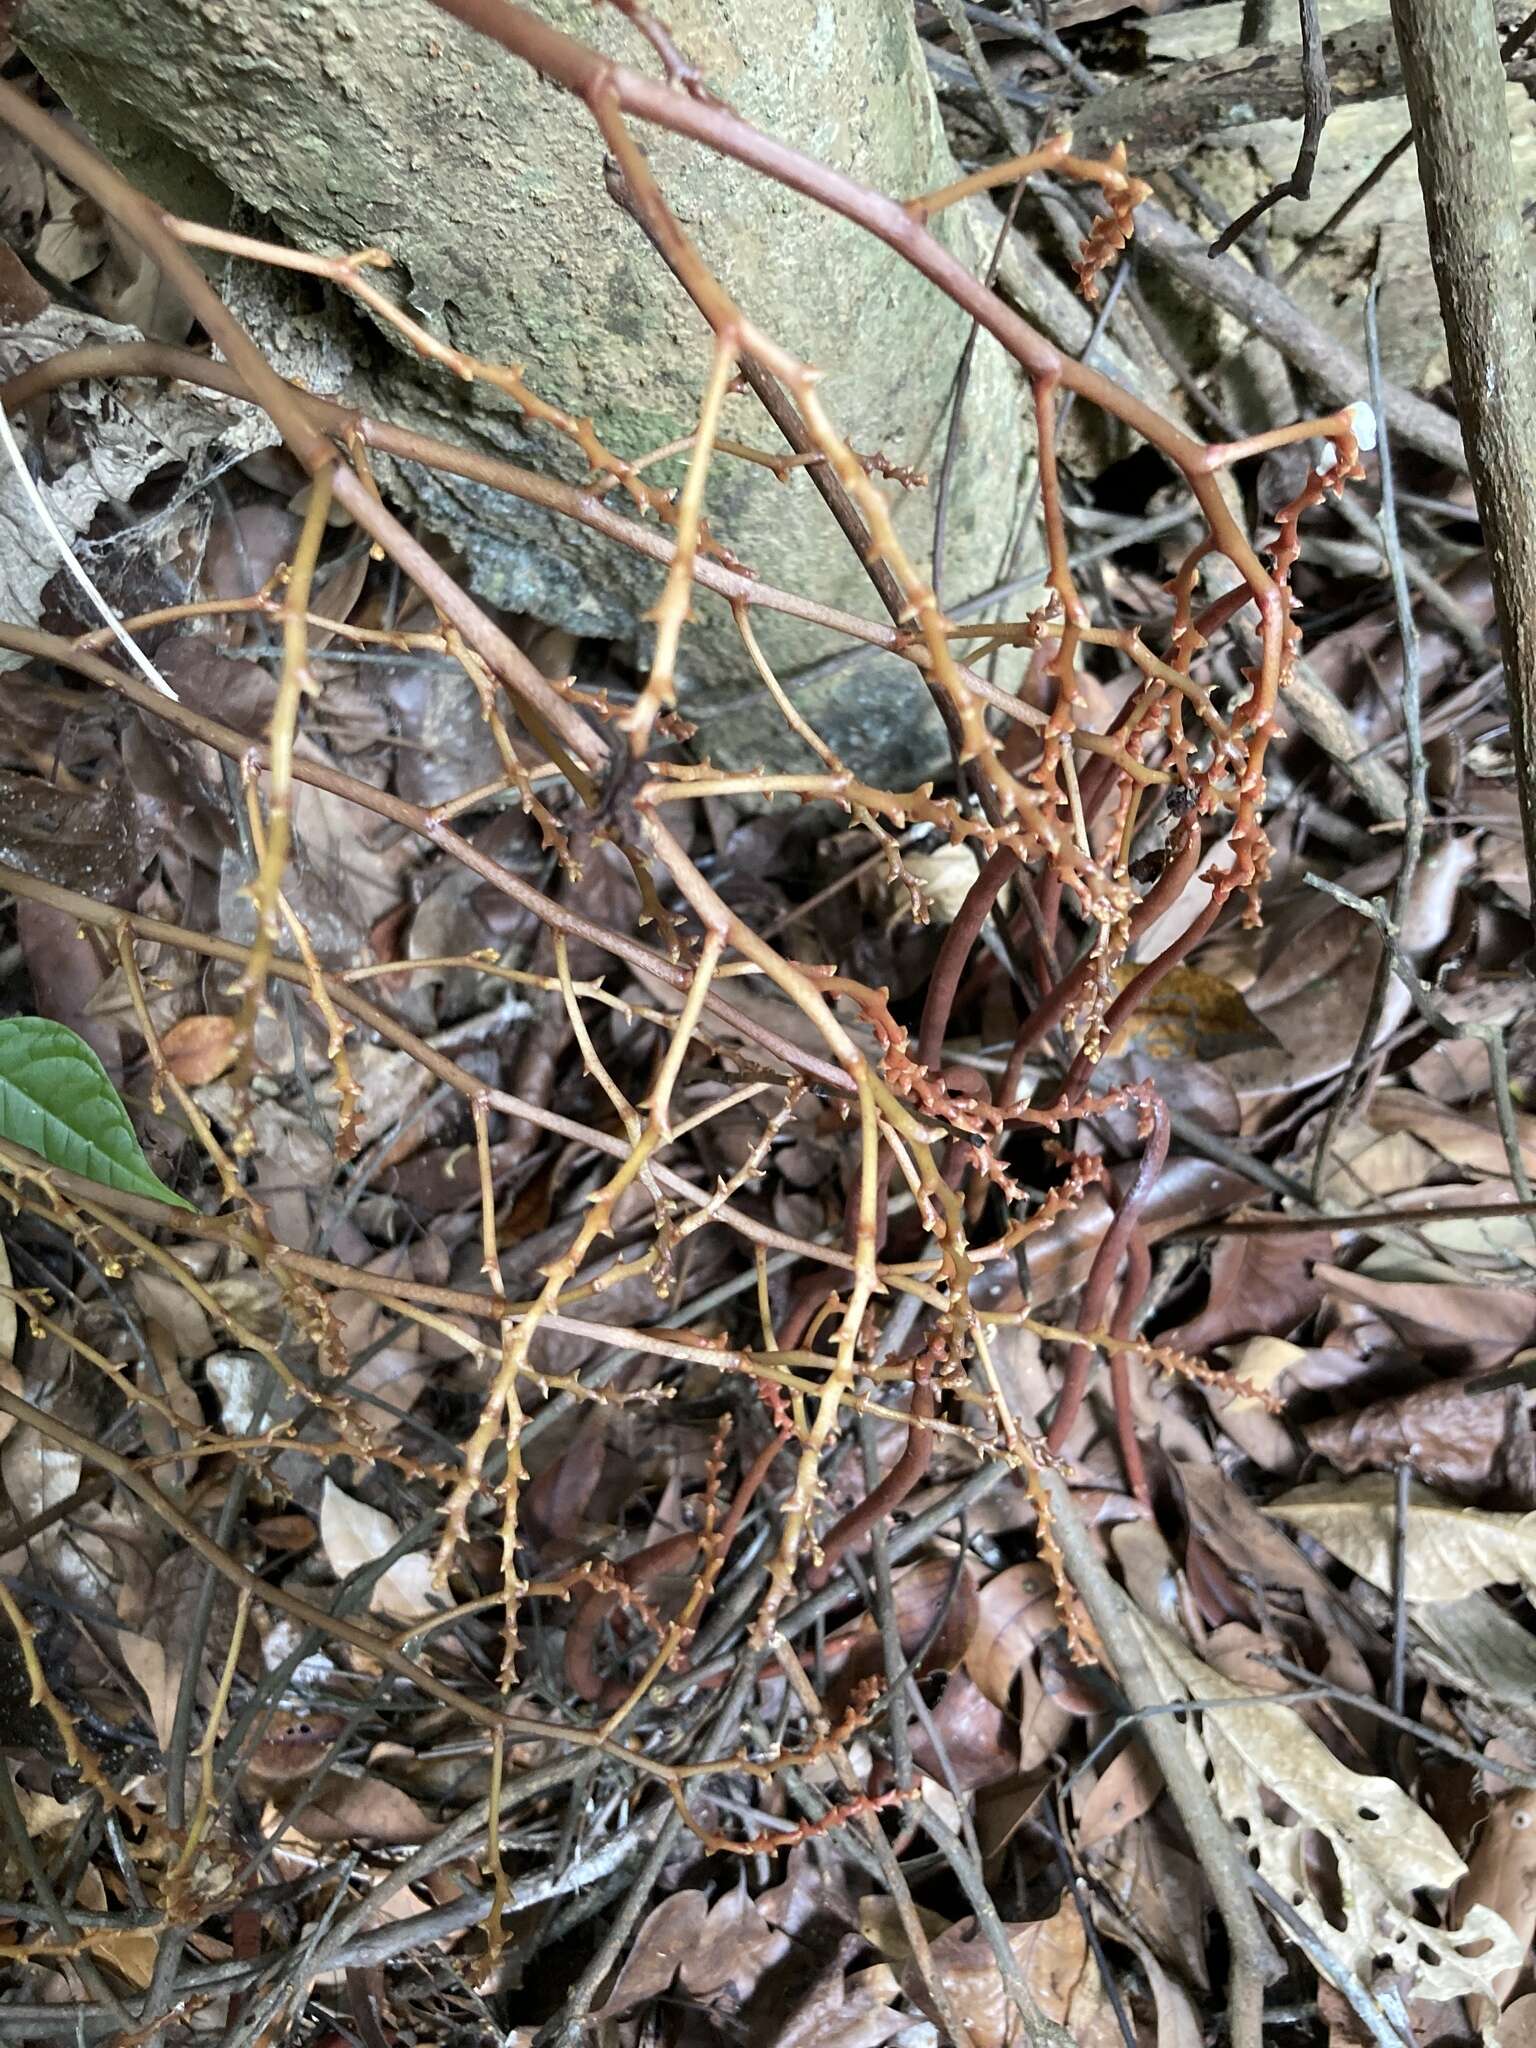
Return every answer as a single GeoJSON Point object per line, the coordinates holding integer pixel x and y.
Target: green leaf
{"type": "Point", "coordinates": [56, 1099]}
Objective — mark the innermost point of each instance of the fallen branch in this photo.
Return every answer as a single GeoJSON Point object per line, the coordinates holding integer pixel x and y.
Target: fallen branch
{"type": "Point", "coordinates": [1219, 1851]}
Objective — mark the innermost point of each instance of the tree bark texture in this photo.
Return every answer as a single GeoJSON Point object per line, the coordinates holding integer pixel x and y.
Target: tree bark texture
{"type": "Point", "coordinates": [345, 124]}
{"type": "Point", "coordinates": [1455, 86]}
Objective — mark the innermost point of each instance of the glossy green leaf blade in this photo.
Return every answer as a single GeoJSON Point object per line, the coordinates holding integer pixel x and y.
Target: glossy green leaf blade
{"type": "Point", "coordinates": [57, 1099]}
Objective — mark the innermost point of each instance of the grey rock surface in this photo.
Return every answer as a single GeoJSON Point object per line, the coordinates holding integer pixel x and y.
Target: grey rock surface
{"type": "Point", "coordinates": [344, 124]}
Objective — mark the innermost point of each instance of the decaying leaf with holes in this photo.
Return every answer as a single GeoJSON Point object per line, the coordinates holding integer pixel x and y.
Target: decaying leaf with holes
{"type": "Point", "coordinates": [1501, 1874]}
{"type": "Point", "coordinates": [1274, 1780]}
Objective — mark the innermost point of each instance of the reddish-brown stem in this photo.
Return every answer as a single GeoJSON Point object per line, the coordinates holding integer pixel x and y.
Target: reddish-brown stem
{"type": "Point", "coordinates": [1106, 1261]}
{"type": "Point", "coordinates": [671, 1554]}
{"type": "Point", "coordinates": [956, 950]}
{"type": "Point", "coordinates": [1136, 991]}
{"type": "Point", "coordinates": [1052, 1007]}
{"type": "Point", "coordinates": [1138, 1272]}
{"type": "Point", "coordinates": [892, 1490]}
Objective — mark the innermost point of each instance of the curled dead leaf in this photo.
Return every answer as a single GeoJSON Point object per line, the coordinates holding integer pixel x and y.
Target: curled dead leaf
{"type": "Point", "coordinates": [708, 1948]}
{"type": "Point", "coordinates": [1015, 1612]}
{"type": "Point", "coordinates": [1129, 1788]}
{"type": "Point", "coordinates": [1478, 1325]}
{"type": "Point", "coordinates": [1260, 1286]}
{"type": "Point", "coordinates": [364, 1809]}
{"type": "Point", "coordinates": [200, 1048]}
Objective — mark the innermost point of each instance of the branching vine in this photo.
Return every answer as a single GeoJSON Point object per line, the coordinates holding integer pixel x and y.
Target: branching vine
{"type": "Point", "coordinates": [887, 1324]}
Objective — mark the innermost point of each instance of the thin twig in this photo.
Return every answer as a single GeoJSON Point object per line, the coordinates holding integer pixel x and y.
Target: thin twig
{"type": "Point", "coordinates": [1401, 1477]}
{"type": "Point", "coordinates": [1316, 105]}
{"type": "Point", "coordinates": [1415, 805]}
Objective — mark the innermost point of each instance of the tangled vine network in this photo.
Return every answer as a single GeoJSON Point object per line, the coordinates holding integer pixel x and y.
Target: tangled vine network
{"type": "Point", "coordinates": [894, 1321]}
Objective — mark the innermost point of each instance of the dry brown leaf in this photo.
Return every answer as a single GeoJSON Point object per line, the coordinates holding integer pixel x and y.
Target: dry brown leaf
{"type": "Point", "coordinates": [708, 1948]}
{"type": "Point", "coordinates": [1160, 1892]}
{"type": "Point", "coordinates": [1129, 1788]}
{"type": "Point", "coordinates": [1056, 1963]}
{"type": "Point", "coordinates": [734, 1949]}
{"type": "Point", "coordinates": [1015, 1612]}
{"type": "Point", "coordinates": [980, 1745]}
{"type": "Point", "coordinates": [354, 1534]}
{"type": "Point", "coordinates": [1472, 1142]}
{"type": "Point", "coordinates": [37, 1474]}
{"type": "Point", "coordinates": [1450, 1434]}
{"type": "Point", "coordinates": [1260, 1363]}
{"type": "Point", "coordinates": [1480, 1325]}
{"type": "Point", "coordinates": [366, 1810]}
{"type": "Point", "coordinates": [199, 1049]}
{"type": "Point", "coordinates": [156, 1676]}
{"type": "Point", "coordinates": [1466, 1243]}
{"type": "Point", "coordinates": [1261, 1286]}
{"type": "Point", "coordinates": [1450, 1551]}
{"type": "Point", "coordinates": [45, 1815]}
{"type": "Point", "coordinates": [132, 1951]}
{"type": "Point", "coordinates": [1313, 992]}
{"type": "Point", "coordinates": [74, 239]}
{"type": "Point", "coordinates": [157, 1655]}
{"type": "Point", "coordinates": [844, 2012]}
{"type": "Point", "coordinates": [1242, 1537]}
{"type": "Point", "coordinates": [165, 1301]}
{"type": "Point", "coordinates": [1189, 1016]}
{"type": "Point", "coordinates": [1264, 1363]}
{"type": "Point", "coordinates": [1386, 1848]}
{"type": "Point", "coordinates": [1367, 1164]}
{"type": "Point", "coordinates": [159, 1432]}
{"type": "Point", "coordinates": [930, 1593]}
